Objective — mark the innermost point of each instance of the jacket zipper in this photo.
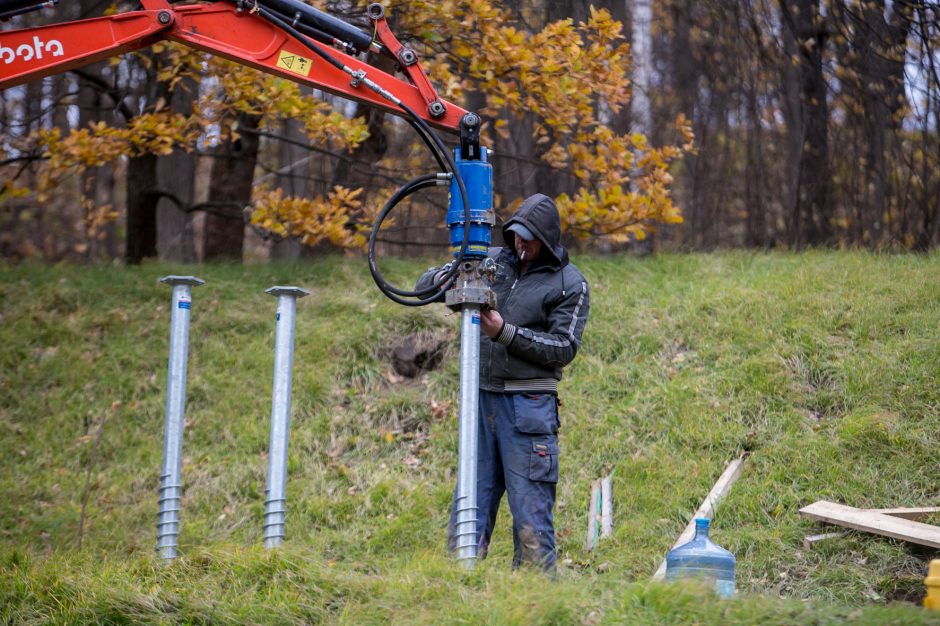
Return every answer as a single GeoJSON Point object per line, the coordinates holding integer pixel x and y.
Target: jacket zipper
{"type": "Point", "coordinates": [508, 298]}
{"type": "Point", "coordinates": [511, 289]}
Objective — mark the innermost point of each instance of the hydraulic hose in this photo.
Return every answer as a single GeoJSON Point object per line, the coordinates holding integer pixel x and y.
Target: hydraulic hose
{"type": "Point", "coordinates": [441, 155]}
{"type": "Point", "coordinates": [315, 33]}
{"type": "Point", "coordinates": [429, 294]}
{"type": "Point", "coordinates": [451, 167]}
{"type": "Point", "coordinates": [12, 8]}
{"type": "Point", "coordinates": [297, 12]}
{"type": "Point", "coordinates": [275, 19]}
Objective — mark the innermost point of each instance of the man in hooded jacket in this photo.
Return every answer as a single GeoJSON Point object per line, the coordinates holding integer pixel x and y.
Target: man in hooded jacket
{"type": "Point", "coordinates": [543, 305]}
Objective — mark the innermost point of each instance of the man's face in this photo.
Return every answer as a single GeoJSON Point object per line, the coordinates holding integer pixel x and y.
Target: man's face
{"type": "Point", "coordinates": [528, 250]}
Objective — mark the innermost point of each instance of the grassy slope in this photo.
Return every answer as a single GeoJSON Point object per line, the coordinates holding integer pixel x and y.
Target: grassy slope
{"type": "Point", "coordinates": [825, 365]}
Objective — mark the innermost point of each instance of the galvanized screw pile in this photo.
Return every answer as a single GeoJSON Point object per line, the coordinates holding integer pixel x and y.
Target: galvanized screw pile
{"type": "Point", "coordinates": [168, 519]}
{"type": "Point", "coordinates": [275, 503]}
{"type": "Point", "coordinates": [466, 531]}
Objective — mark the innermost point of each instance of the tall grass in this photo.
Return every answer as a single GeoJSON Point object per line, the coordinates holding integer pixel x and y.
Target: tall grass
{"type": "Point", "coordinates": [825, 367]}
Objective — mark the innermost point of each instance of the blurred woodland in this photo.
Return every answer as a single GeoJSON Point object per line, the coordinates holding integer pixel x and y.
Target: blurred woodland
{"type": "Point", "coordinates": [678, 124]}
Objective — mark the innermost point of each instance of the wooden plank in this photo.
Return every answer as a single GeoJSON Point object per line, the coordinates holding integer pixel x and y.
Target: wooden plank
{"type": "Point", "coordinates": [607, 507]}
{"type": "Point", "coordinates": [911, 513]}
{"type": "Point", "coordinates": [876, 523]}
{"type": "Point", "coordinates": [719, 491]}
{"type": "Point", "coordinates": [593, 527]}
{"type": "Point", "coordinates": [908, 512]}
{"type": "Point", "coordinates": [810, 540]}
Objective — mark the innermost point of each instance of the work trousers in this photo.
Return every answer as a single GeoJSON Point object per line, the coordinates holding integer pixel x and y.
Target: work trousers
{"type": "Point", "coordinates": [517, 454]}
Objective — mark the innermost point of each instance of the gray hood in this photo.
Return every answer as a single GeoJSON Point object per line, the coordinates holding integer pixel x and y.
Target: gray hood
{"type": "Point", "coordinates": [539, 214]}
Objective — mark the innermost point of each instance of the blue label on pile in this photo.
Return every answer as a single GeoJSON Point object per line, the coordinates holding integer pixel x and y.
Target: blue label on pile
{"type": "Point", "coordinates": [184, 304]}
{"type": "Point", "coordinates": [475, 319]}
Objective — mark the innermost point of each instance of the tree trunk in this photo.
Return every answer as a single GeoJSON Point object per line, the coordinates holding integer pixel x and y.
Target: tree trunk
{"type": "Point", "coordinates": [641, 108]}
{"type": "Point", "coordinates": [929, 201]}
{"type": "Point", "coordinates": [98, 183]}
{"type": "Point", "coordinates": [141, 208]}
{"type": "Point", "coordinates": [756, 207]}
{"type": "Point", "coordinates": [142, 187]}
{"type": "Point", "coordinates": [684, 80]}
{"type": "Point", "coordinates": [812, 223]}
{"type": "Point", "coordinates": [230, 186]}
{"type": "Point", "coordinates": [881, 48]}
{"type": "Point", "coordinates": [176, 174]}
{"type": "Point", "coordinates": [366, 155]}
{"type": "Point", "coordinates": [293, 171]}
{"type": "Point", "coordinates": [642, 42]}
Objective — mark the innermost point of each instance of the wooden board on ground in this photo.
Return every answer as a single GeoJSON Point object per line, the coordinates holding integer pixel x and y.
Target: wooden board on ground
{"type": "Point", "coordinates": [594, 516]}
{"type": "Point", "coordinates": [908, 512]}
{"type": "Point", "coordinates": [872, 522]}
{"type": "Point", "coordinates": [719, 491]}
{"type": "Point", "coordinates": [607, 506]}
{"type": "Point", "coordinates": [600, 512]}
{"type": "Point", "coordinates": [810, 540]}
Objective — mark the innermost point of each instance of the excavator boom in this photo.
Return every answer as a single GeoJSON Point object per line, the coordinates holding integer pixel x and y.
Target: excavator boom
{"type": "Point", "coordinates": [317, 54]}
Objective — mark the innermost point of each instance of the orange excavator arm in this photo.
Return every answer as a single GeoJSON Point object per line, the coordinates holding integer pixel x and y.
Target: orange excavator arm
{"type": "Point", "coordinates": [282, 37]}
{"type": "Point", "coordinates": [291, 39]}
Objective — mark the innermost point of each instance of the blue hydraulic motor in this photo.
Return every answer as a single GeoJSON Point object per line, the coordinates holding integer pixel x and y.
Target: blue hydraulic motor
{"type": "Point", "coordinates": [476, 271]}
{"type": "Point", "coordinates": [477, 175]}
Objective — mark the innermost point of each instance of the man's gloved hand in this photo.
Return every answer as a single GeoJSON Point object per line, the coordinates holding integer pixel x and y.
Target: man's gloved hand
{"type": "Point", "coordinates": [491, 322]}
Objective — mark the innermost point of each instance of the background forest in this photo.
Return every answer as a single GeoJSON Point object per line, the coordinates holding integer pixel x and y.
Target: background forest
{"type": "Point", "coordinates": [815, 123]}
{"type": "Point", "coordinates": [667, 126]}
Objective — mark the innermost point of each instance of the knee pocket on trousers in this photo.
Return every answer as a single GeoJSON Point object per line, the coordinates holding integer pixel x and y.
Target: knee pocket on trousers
{"type": "Point", "coordinates": [543, 461]}
{"type": "Point", "coordinates": [535, 414]}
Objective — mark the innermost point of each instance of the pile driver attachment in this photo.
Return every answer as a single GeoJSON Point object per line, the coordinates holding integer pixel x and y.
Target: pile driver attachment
{"type": "Point", "coordinates": [291, 39]}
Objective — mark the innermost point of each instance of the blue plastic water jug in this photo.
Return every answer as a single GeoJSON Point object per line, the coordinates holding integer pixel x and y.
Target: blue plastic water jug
{"type": "Point", "coordinates": [702, 559]}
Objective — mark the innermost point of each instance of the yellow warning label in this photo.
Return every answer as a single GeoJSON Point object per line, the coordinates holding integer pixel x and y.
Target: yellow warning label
{"type": "Point", "coordinates": [294, 63]}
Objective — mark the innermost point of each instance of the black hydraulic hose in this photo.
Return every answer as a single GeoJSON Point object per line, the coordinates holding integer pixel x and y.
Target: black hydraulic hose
{"type": "Point", "coordinates": [12, 8]}
{"type": "Point", "coordinates": [430, 138]}
{"type": "Point", "coordinates": [427, 295]}
{"type": "Point", "coordinates": [430, 144]}
{"type": "Point", "coordinates": [315, 33]}
{"type": "Point", "coordinates": [431, 293]}
{"type": "Point", "coordinates": [451, 166]}
{"type": "Point", "coordinates": [323, 22]}
{"type": "Point", "coordinates": [274, 18]}
{"type": "Point", "coordinates": [418, 124]}
{"type": "Point", "coordinates": [438, 149]}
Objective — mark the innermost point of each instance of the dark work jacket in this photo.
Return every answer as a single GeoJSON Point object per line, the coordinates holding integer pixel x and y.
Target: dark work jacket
{"type": "Point", "coordinates": [544, 310]}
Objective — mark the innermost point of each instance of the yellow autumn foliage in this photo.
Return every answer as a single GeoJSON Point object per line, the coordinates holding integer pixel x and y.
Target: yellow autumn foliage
{"type": "Point", "coordinates": [563, 75]}
{"type": "Point", "coordinates": [568, 77]}
{"type": "Point", "coordinates": [150, 133]}
{"type": "Point", "coordinates": [235, 89]}
{"type": "Point", "coordinates": [312, 220]}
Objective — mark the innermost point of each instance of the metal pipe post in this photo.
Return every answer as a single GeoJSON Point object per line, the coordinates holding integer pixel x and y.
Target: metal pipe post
{"type": "Point", "coordinates": [471, 291]}
{"type": "Point", "coordinates": [275, 501]}
{"type": "Point", "coordinates": [469, 434]}
{"type": "Point", "coordinates": [168, 519]}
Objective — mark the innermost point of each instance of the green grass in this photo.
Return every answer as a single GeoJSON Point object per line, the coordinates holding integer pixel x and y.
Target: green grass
{"type": "Point", "coordinates": [825, 366]}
